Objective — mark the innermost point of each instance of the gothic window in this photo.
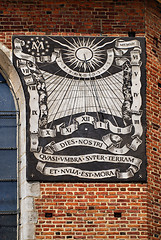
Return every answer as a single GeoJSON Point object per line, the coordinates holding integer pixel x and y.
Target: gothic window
{"type": "Point", "coordinates": [8, 163]}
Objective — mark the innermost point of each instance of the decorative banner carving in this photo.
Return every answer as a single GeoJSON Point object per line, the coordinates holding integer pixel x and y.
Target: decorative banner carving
{"type": "Point", "coordinates": [85, 102]}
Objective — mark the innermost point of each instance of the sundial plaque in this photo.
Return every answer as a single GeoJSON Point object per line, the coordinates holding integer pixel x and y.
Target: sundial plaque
{"type": "Point", "coordinates": [85, 105]}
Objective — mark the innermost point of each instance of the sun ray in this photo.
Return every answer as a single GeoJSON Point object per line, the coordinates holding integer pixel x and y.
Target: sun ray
{"type": "Point", "coordinates": [68, 42]}
{"type": "Point", "coordinates": [79, 42]}
{"type": "Point", "coordinates": [107, 43]}
{"type": "Point", "coordinates": [87, 43]}
{"type": "Point", "coordinates": [91, 44]}
{"type": "Point", "coordinates": [63, 44]}
{"type": "Point", "coordinates": [94, 46]}
{"type": "Point", "coordinates": [76, 44]}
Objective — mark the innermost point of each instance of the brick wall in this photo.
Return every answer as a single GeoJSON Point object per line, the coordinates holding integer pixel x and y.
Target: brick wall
{"type": "Point", "coordinates": [95, 210]}
{"type": "Point", "coordinates": [92, 211]}
{"type": "Point", "coordinates": [70, 17]}
{"type": "Point", "coordinates": [153, 36]}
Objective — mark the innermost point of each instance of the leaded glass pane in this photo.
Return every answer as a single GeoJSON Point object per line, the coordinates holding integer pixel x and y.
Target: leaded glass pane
{"type": "Point", "coordinates": [8, 161]}
{"type": "Point", "coordinates": [6, 98]}
{"type": "Point", "coordinates": [8, 196]}
{"type": "Point", "coordinates": [7, 132]}
{"type": "Point", "coordinates": [8, 227]}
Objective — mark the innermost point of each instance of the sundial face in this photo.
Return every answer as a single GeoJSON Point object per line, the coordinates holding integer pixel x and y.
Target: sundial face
{"type": "Point", "coordinates": [84, 54]}
{"type": "Point", "coordinates": [85, 107]}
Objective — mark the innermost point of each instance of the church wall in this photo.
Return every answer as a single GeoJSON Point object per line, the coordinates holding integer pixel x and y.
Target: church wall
{"type": "Point", "coordinates": [94, 210]}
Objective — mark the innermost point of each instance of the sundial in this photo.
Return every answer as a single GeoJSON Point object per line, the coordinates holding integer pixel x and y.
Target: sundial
{"type": "Point", "coordinates": [85, 102]}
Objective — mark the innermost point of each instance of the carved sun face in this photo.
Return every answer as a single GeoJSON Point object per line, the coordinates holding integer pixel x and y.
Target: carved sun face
{"type": "Point", "coordinates": [84, 54]}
